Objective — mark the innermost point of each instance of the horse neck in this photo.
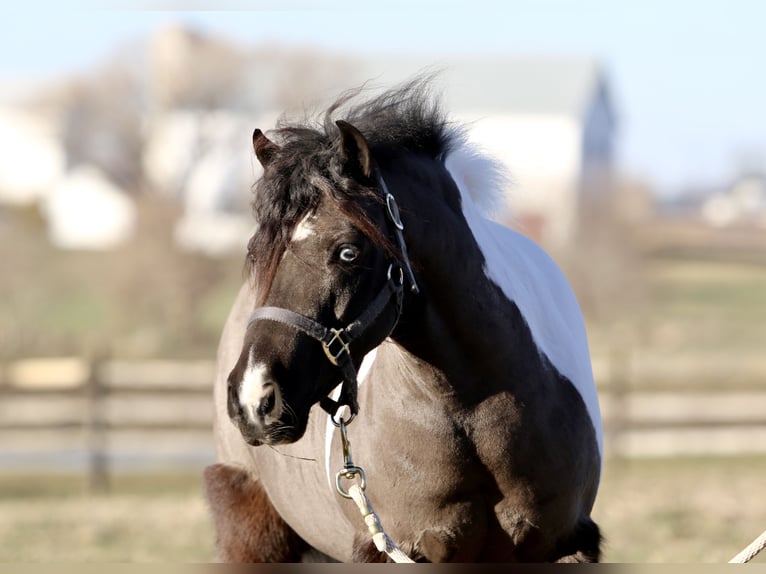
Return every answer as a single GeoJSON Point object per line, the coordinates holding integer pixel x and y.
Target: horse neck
{"type": "Point", "coordinates": [456, 322]}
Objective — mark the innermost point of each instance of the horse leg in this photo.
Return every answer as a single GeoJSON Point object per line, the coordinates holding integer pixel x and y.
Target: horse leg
{"type": "Point", "coordinates": [248, 527]}
{"type": "Point", "coordinates": [366, 551]}
{"type": "Point", "coordinates": [584, 545]}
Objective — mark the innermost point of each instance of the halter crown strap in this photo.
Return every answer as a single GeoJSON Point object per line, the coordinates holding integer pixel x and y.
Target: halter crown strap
{"type": "Point", "coordinates": [392, 210]}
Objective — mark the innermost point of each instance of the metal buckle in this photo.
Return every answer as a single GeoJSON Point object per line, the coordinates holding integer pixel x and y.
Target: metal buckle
{"type": "Point", "coordinates": [393, 212]}
{"type": "Point", "coordinates": [338, 336]}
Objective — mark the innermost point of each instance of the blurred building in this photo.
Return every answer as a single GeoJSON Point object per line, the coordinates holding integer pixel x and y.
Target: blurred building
{"type": "Point", "coordinates": [33, 158]}
{"type": "Point", "coordinates": [743, 202]}
{"type": "Point", "coordinates": [87, 211]}
{"type": "Point", "coordinates": [552, 122]}
{"type": "Point", "coordinates": [204, 159]}
{"type": "Point", "coordinates": [175, 115]}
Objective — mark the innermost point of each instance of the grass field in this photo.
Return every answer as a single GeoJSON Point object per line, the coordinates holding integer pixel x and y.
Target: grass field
{"type": "Point", "coordinates": [145, 518]}
{"type": "Point", "coordinates": [650, 511]}
{"type": "Point", "coordinates": [684, 510]}
{"type": "Point", "coordinates": [706, 305]}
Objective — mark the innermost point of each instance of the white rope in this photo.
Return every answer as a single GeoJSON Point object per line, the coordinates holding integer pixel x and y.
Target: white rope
{"type": "Point", "coordinates": [382, 540]}
{"type": "Point", "coordinates": [356, 493]}
{"type": "Point", "coordinates": [751, 551]}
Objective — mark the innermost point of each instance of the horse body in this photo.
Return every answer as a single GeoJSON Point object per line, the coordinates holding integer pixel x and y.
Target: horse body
{"type": "Point", "coordinates": [479, 427]}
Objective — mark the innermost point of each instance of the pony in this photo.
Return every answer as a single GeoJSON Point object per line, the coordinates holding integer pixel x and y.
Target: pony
{"type": "Point", "coordinates": [378, 286]}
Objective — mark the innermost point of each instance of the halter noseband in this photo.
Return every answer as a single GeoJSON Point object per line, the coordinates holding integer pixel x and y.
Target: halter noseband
{"type": "Point", "coordinates": [336, 342]}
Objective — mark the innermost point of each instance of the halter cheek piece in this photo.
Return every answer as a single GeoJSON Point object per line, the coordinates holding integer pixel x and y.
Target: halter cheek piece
{"type": "Point", "coordinates": [336, 342]}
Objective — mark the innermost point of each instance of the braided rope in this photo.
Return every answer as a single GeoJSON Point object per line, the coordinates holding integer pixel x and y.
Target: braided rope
{"type": "Point", "coordinates": [382, 540]}
{"type": "Point", "coordinates": [751, 551]}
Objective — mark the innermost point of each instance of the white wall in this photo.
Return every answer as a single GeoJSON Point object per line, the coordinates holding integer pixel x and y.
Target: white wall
{"type": "Point", "coordinates": [87, 211]}
{"type": "Point", "coordinates": [543, 154]}
{"type": "Point", "coordinates": [31, 158]}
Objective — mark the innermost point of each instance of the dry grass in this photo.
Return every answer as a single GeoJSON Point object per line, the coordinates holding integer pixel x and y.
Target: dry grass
{"type": "Point", "coordinates": [650, 511]}
{"type": "Point", "coordinates": [123, 528]}
{"type": "Point", "coordinates": [692, 510]}
{"type": "Point", "coordinates": [144, 519]}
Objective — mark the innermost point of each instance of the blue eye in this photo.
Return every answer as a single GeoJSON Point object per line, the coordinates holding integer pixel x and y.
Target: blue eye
{"type": "Point", "coordinates": [348, 253]}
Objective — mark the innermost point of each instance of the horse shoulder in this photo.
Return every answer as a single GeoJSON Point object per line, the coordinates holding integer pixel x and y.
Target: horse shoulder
{"type": "Point", "coordinates": [530, 278]}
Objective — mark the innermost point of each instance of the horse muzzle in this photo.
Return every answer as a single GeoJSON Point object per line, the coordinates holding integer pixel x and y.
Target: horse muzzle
{"type": "Point", "coordinates": [261, 414]}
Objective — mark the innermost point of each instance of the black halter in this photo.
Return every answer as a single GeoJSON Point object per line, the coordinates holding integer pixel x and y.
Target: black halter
{"type": "Point", "coordinates": [336, 342]}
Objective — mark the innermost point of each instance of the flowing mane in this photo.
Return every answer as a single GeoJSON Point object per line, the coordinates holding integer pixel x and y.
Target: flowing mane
{"type": "Point", "coordinates": [406, 119]}
{"type": "Point", "coordinates": [410, 118]}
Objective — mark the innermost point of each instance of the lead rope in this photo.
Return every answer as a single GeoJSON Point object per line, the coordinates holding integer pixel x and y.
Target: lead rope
{"type": "Point", "coordinates": [355, 492]}
{"type": "Point", "coordinates": [751, 551]}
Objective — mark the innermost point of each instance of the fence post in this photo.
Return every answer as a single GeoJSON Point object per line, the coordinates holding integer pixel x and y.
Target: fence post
{"type": "Point", "coordinates": [619, 359]}
{"type": "Point", "coordinates": [96, 427]}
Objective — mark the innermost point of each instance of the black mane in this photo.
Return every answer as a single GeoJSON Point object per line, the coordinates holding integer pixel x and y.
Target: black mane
{"type": "Point", "coordinates": [405, 119]}
{"type": "Point", "coordinates": [408, 117]}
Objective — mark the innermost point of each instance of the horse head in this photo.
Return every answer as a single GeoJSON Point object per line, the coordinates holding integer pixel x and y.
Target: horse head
{"type": "Point", "coordinates": [327, 280]}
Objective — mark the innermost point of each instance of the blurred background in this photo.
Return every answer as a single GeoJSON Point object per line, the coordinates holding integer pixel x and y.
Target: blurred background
{"type": "Point", "coordinates": [636, 138]}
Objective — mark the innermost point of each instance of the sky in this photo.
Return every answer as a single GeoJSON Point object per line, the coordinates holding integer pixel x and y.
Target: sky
{"type": "Point", "coordinates": [688, 78]}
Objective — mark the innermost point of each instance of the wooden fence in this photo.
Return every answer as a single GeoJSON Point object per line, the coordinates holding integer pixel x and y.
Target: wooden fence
{"type": "Point", "coordinates": [105, 414]}
{"type": "Point", "coordinates": [101, 414]}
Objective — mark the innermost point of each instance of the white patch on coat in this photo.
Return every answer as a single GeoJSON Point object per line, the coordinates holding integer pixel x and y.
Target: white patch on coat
{"type": "Point", "coordinates": [532, 280]}
{"type": "Point", "coordinates": [305, 228]}
{"type": "Point", "coordinates": [252, 390]}
{"type": "Point", "coordinates": [364, 371]}
{"type": "Point", "coordinates": [484, 179]}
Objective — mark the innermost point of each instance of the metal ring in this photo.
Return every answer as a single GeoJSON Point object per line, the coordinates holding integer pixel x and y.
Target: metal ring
{"type": "Point", "coordinates": [341, 419]}
{"type": "Point", "coordinates": [393, 212]}
{"type": "Point", "coordinates": [349, 472]}
{"type": "Point", "coordinates": [401, 274]}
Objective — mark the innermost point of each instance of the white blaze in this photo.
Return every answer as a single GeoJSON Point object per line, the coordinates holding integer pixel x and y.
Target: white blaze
{"type": "Point", "coordinates": [305, 228]}
{"type": "Point", "coordinates": [252, 390]}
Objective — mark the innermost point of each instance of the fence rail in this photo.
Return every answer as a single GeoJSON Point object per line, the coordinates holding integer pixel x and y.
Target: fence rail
{"type": "Point", "coordinates": [102, 412]}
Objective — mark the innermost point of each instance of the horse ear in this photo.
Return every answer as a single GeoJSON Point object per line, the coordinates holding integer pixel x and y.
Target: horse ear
{"type": "Point", "coordinates": [354, 149]}
{"type": "Point", "coordinates": [264, 147]}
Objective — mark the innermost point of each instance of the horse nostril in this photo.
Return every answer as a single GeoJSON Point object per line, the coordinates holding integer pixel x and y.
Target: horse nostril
{"type": "Point", "coordinates": [268, 401]}
{"type": "Point", "coordinates": [232, 403]}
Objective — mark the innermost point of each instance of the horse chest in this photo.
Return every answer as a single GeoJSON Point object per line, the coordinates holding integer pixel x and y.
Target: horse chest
{"type": "Point", "coordinates": [468, 487]}
{"type": "Point", "coordinates": [433, 494]}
